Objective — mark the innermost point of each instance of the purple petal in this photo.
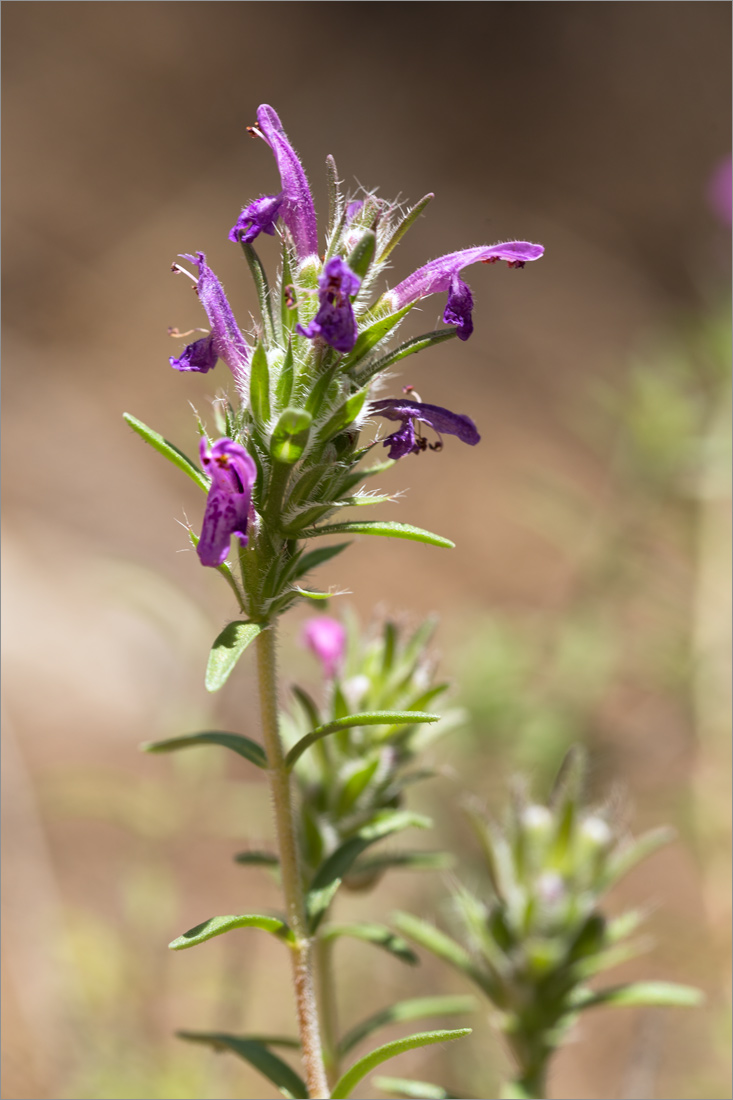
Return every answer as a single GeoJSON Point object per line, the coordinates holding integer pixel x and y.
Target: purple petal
{"type": "Point", "coordinates": [232, 474]}
{"type": "Point", "coordinates": [437, 275]}
{"type": "Point", "coordinates": [403, 441]}
{"type": "Point", "coordinates": [259, 217]}
{"type": "Point", "coordinates": [326, 638]}
{"type": "Point", "coordinates": [439, 419]}
{"type": "Point", "coordinates": [458, 307]}
{"type": "Point", "coordinates": [297, 210]}
{"type": "Point", "coordinates": [335, 322]}
{"type": "Point", "coordinates": [227, 342]}
{"type": "Point", "coordinates": [199, 356]}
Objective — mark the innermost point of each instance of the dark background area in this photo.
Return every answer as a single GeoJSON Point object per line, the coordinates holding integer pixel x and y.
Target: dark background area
{"type": "Point", "coordinates": [590, 127]}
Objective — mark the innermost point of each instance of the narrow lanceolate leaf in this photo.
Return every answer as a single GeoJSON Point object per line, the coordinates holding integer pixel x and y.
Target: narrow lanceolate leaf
{"type": "Point", "coordinates": [427, 935]}
{"type": "Point", "coordinates": [328, 878]}
{"type": "Point", "coordinates": [259, 387]}
{"type": "Point", "coordinates": [314, 558]}
{"type": "Point", "coordinates": [369, 337]}
{"type": "Point", "coordinates": [217, 926]}
{"type": "Point", "coordinates": [623, 861]}
{"type": "Point", "coordinates": [402, 226]}
{"type": "Point", "coordinates": [345, 415]}
{"type": "Point", "coordinates": [417, 1008]}
{"type": "Point", "coordinates": [377, 527]}
{"type": "Point", "coordinates": [257, 859]}
{"type": "Point", "coordinates": [412, 1090]}
{"type": "Point", "coordinates": [378, 934]}
{"type": "Point", "coordinates": [169, 451]}
{"type": "Point", "coordinates": [643, 993]}
{"type": "Point", "coordinates": [410, 347]}
{"type": "Point", "coordinates": [256, 1052]}
{"type": "Point", "coordinates": [365, 1065]}
{"type": "Point", "coordinates": [226, 651]}
{"type": "Point", "coordinates": [371, 718]}
{"type": "Point", "coordinates": [237, 742]}
{"type": "Point", "coordinates": [407, 861]}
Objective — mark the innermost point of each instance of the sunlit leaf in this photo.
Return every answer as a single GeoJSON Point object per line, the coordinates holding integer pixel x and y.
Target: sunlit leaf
{"type": "Point", "coordinates": [257, 1054]}
{"type": "Point", "coordinates": [386, 529]}
{"type": "Point", "coordinates": [169, 451]}
{"type": "Point", "coordinates": [365, 1065]}
{"type": "Point", "coordinates": [226, 651]}
{"type": "Point", "coordinates": [416, 1008]}
{"type": "Point", "coordinates": [370, 718]}
{"type": "Point", "coordinates": [643, 993]}
{"type": "Point", "coordinates": [237, 742]}
{"type": "Point", "coordinates": [378, 934]}
{"type": "Point", "coordinates": [428, 936]}
{"type": "Point", "coordinates": [217, 926]}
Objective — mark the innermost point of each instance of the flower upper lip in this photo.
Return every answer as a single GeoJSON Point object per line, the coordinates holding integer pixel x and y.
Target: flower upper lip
{"type": "Point", "coordinates": [297, 210]}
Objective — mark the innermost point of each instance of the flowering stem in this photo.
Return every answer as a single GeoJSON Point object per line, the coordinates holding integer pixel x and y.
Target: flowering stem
{"type": "Point", "coordinates": [292, 880]}
{"type": "Point", "coordinates": [327, 1000]}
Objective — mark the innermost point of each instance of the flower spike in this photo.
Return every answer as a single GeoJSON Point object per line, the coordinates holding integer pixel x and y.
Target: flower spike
{"type": "Point", "coordinates": [297, 209]}
{"type": "Point", "coordinates": [406, 441]}
{"type": "Point", "coordinates": [232, 474]}
{"type": "Point", "coordinates": [225, 341]}
{"type": "Point", "coordinates": [443, 274]}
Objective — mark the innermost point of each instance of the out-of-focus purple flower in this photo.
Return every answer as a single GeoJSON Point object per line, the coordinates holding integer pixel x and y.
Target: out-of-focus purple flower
{"type": "Point", "coordinates": [443, 274]}
{"type": "Point", "coordinates": [232, 474]}
{"type": "Point", "coordinates": [297, 210]}
{"type": "Point", "coordinates": [353, 209]}
{"type": "Point", "coordinates": [326, 638]}
{"type": "Point", "coordinates": [335, 321]}
{"type": "Point", "coordinates": [406, 440]}
{"type": "Point", "coordinates": [720, 186]}
{"type": "Point", "coordinates": [225, 341]}
{"type": "Point", "coordinates": [259, 217]}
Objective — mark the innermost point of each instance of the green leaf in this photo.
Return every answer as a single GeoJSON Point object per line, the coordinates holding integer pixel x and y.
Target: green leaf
{"type": "Point", "coordinates": [328, 877]}
{"type": "Point", "coordinates": [377, 527]}
{"type": "Point", "coordinates": [290, 437]}
{"type": "Point", "coordinates": [361, 256]}
{"type": "Point", "coordinates": [371, 718]}
{"type": "Point", "coordinates": [256, 1053]}
{"type": "Point", "coordinates": [237, 742]}
{"type": "Point", "coordinates": [428, 936]}
{"type": "Point", "coordinates": [413, 1090]}
{"type": "Point", "coordinates": [217, 926]}
{"type": "Point", "coordinates": [257, 859]}
{"type": "Point", "coordinates": [625, 859]}
{"type": "Point", "coordinates": [369, 337]}
{"type": "Point", "coordinates": [365, 1065]}
{"type": "Point", "coordinates": [378, 934]}
{"type": "Point", "coordinates": [318, 557]}
{"type": "Point", "coordinates": [643, 993]}
{"type": "Point", "coordinates": [335, 198]}
{"type": "Point", "coordinates": [402, 226]}
{"type": "Point", "coordinates": [169, 451]}
{"type": "Point", "coordinates": [284, 387]}
{"type": "Point", "coordinates": [259, 386]}
{"type": "Point", "coordinates": [409, 861]}
{"type": "Point", "coordinates": [226, 651]}
{"type": "Point", "coordinates": [306, 702]}
{"type": "Point", "coordinates": [307, 594]}
{"type": "Point", "coordinates": [410, 347]}
{"type": "Point", "coordinates": [416, 1008]}
{"type": "Point", "coordinates": [346, 414]}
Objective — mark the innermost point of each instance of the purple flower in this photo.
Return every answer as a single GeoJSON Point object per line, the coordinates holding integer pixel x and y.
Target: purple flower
{"type": "Point", "coordinates": [326, 639]}
{"type": "Point", "coordinates": [443, 274]}
{"type": "Point", "coordinates": [297, 210]}
{"type": "Point", "coordinates": [259, 217]}
{"type": "Point", "coordinates": [406, 440]}
{"type": "Point", "coordinates": [335, 321]}
{"type": "Point", "coordinates": [225, 341]}
{"type": "Point", "coordinates": [232, 474]}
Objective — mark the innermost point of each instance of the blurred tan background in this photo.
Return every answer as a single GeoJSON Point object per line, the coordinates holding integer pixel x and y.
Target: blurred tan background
{"type": "Point", "coordinates": [591, 127]}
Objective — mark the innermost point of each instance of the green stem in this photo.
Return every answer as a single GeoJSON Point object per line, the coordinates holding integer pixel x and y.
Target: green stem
{"type": "Point", "coordinates": [302, 947]}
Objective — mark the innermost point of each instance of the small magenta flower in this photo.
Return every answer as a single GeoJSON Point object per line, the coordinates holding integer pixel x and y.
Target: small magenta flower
{"type": "Point", "coordinates": [296, 209]}
{"type": "Point", "coordinates": [443, 274]}
{"type": "Point", "coordinates": [225, 341]}
{"type": "Point", "coordinates": [232, 474]}
{"type": "Point", "coordinates": [259, 217]}
{"type": "Point", "coordinates": [326, 639]}
{"type": "Point", "coordinates": [335, 321]}
{"type": "Point", "coordinates": [406, 439]}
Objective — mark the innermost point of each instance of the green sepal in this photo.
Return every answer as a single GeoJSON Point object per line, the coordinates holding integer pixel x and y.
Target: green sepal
{"type": "Point", "coordinates": [345, 415]}
{"type": "Point", "coordinates": [369, 718]}
{"type": "Point", "coordinates": [217, 926]}
{"type": "Point", "coordinates": [284, 387]}
{"type": "Point", "coordinates": [290, 436]}
{"type": "Point", "coordinates": [641, 993]}
{"type": "Point", "coordinates": [412, 1090]}
{"type": "Point", "coordinates": [430, 937]}
{"type": "Point", "coordinates": [335, 198]}
{"type": "Point", "coordinates": [327, 878]}
{"type": "Point", "coordinates": [361, 256]}
{"type": "Point", "coordinates": [369, 337]}
{"type": "Point", "coordinates": [386, 529]}
{"type": "Point", "coordinates": [416, 1008]}
{"type": "Point", "coordinates": [227, 649]}
{"type": "Point", "coordinates": [257, 859]}
{"type": "Point", "coordinates": [255, 1051]}
{"type": "Point", "coordinates": [169, 451]}
{"type": "Point", "coordinates": [259, 386]}
{"type": "Point", "coordinates": [365, 1065]}
{"type": "Point", "coordinates": [410, 347]}
{"type": "Point", "coordinates": [378, 934]}
{"type": "Point", "coordinates": [237, 742]}
{"type": "Point", "coordinates": [402, 226]}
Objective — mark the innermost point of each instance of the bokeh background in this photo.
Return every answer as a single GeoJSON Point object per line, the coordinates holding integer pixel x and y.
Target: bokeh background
{"type": "Point", "coordinates": [588, 596]}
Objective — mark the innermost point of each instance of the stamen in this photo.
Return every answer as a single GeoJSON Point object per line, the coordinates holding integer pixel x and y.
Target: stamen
{"type": "Point", "coordinates": [414, 395]}
{"type": "Point", "coordinates": [178, 270]}
{"type": "Point", "coordinates": [182, 335]}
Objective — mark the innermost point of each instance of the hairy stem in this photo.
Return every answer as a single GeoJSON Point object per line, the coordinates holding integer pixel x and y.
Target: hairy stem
{"type": "Point", "coordinates": [327, 1000]}
{"type": "Point", "coordinates": [302, 948]}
